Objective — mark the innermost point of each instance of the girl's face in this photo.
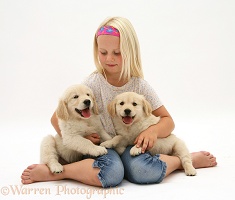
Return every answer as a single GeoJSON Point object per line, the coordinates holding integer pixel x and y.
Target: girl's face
{"type": "Point", "coordinates": [109, 54]}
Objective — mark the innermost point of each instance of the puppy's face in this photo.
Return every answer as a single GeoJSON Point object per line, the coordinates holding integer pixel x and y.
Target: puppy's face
{"type": "Point", "coordinates": [130, 107]}
{"type": "Point", "coordinates": [77, 102]}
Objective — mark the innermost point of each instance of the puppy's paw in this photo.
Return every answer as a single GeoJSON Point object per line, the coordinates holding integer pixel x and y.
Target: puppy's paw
{"type": "Point", "coordinates": [56, 168]}
{"type": "Point", "coordinates": [107, 144]}
{"type": "Point", "coordinates": [98, 151]}
{"type": "Point", "coordinates": [190, 171]}
{"type": "Point", "coordinates": [135, 151]}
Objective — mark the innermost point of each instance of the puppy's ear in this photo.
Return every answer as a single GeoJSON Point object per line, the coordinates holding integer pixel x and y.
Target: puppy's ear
{"type": "Point", "coordinates": [62, 111]}
{"type": "Point", "coordinates": [147, 107]}
{"type": "Point", "coordinates": [112, 108]}
{"type": "Point", "coordinates": [95, 107]}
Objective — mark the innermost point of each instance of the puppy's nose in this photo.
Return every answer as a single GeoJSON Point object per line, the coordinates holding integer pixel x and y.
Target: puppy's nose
{"type": "Point", "coordinates": [127, 111]}
{"type": "Point", "coordinates": [87, 102]}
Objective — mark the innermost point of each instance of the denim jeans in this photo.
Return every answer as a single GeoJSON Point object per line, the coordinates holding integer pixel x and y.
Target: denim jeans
{"type": "Point", "coordinates": [141, 169]}
{"type": "Point", "coordinates": [111, 169]}
{"type": "Point", "coordinates": [144, 168]}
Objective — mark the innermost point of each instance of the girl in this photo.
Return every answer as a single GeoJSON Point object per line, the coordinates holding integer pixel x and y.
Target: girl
{"type": "Point", "coordinates": [119, 69]}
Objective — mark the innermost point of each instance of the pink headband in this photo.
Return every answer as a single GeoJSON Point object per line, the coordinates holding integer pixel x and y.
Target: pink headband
{"type": "Point", "coordinates": [108, 30]}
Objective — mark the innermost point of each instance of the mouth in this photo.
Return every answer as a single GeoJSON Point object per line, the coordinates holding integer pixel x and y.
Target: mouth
{"type": "Point", "coordinates": [85, 113]}
{"type": "Point", "coordinates": [128, 119]}
{"type": "Point", "coordinates": [111, 65]}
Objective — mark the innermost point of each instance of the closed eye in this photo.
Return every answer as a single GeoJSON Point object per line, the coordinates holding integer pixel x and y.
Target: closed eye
{"type": "Point", "coordinates": [117, 53]}
{"type": "Point", "coordinates": [103, 53]}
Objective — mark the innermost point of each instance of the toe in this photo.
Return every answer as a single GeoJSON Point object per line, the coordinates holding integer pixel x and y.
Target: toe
{"type": "Point", "coordinates": [206, 153]}
{"type": "Point", "coordinates": [25, 173]}
{"type": "Point", "coordinates": [31, 166]}
{"type": "Point", "coordinates": [214, 163]}
{"type": "Point", "coordinates": [27, 181]}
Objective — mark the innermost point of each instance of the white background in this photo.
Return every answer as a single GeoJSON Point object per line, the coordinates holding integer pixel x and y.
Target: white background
{"type": "Point", "coordinates": [187, 50]}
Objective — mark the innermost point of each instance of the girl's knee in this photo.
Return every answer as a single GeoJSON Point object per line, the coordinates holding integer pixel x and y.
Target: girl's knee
{"type": "Point", "coordinates": [143, 169]}
{"type": "Point", "coordinates": [111, 169]}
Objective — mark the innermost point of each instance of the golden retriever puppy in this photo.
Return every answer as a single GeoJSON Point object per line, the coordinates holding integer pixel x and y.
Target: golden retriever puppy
{"type": "Point", "coordinates": [77, 117]}
{"type": "Point", "coordinates": [132, 114]}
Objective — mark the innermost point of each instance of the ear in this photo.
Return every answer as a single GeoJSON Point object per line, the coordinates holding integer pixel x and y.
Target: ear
{"type": "Point", "coordinates": [62, 111]}
{"type": "Point", "coordinates": [95, 107]}
{"type": "Point", "coordinates": [112, 108]}
{"type": "Point", "coordinates": [147, 107]}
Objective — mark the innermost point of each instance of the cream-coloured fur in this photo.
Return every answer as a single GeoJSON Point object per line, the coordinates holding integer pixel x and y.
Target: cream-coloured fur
{"type": "Point", "coordinates": [132, 114]}
{"type": "Point", "coordinates": [77, 117]}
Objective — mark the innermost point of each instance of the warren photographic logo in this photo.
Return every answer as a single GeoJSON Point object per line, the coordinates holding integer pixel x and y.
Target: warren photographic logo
{"type": "Point", "coordinates": [60, 190]}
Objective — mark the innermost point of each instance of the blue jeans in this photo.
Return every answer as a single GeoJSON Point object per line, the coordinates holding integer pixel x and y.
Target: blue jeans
{"type": "Point", "coordinates": [111, 169]}
{"type": "Point", "coordinates": [142, 169]}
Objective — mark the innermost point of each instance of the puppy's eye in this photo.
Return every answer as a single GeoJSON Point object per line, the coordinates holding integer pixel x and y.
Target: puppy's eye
{"type": "Point", "coordinates": [134, 104]}
{"type": "Point", "coordinates": [75, 96]}
{"type": "Point", "coordinates": [122, 103]}
{"type": "Point", "coordinates": [88, 94]}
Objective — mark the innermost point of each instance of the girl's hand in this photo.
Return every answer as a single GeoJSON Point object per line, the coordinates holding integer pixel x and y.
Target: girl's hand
{"type": "Point", "coordinates": [146, 140]}
{"type": "Point", "coordinates": [94, 138]}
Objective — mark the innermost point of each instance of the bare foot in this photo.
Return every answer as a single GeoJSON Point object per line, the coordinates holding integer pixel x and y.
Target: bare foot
{"type": "Point", "coordinates": [203, 159]}
{"type": "Point", "coordinates": [38, 172]}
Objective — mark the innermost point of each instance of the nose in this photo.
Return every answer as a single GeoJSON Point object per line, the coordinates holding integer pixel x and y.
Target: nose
{"type": "Point", "coordinates": [87, 102]}
{"type": "Point", "coordinates": [110, 57]}
{"type": "Point", "coordinates": [127, 111]}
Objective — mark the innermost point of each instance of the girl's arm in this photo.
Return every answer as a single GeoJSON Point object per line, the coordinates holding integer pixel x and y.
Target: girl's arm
{"type": "Point", "coordinates": [162, 129]}
{"type": "Point", "coordinates": [94, 137]}
{"type": "Point", "coordinates": [166, 124]}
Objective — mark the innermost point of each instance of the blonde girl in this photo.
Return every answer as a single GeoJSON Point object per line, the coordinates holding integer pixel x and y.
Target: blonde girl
{"type": "Point", "coordinates": [119, 69]}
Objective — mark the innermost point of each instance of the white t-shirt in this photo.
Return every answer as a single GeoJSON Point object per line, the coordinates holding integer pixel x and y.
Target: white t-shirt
{"type": "Point", "coordinates": [104, 93]}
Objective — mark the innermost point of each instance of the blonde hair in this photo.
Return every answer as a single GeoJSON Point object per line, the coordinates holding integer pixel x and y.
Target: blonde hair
{"type": "Point", "coordinates": [129, 48]}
